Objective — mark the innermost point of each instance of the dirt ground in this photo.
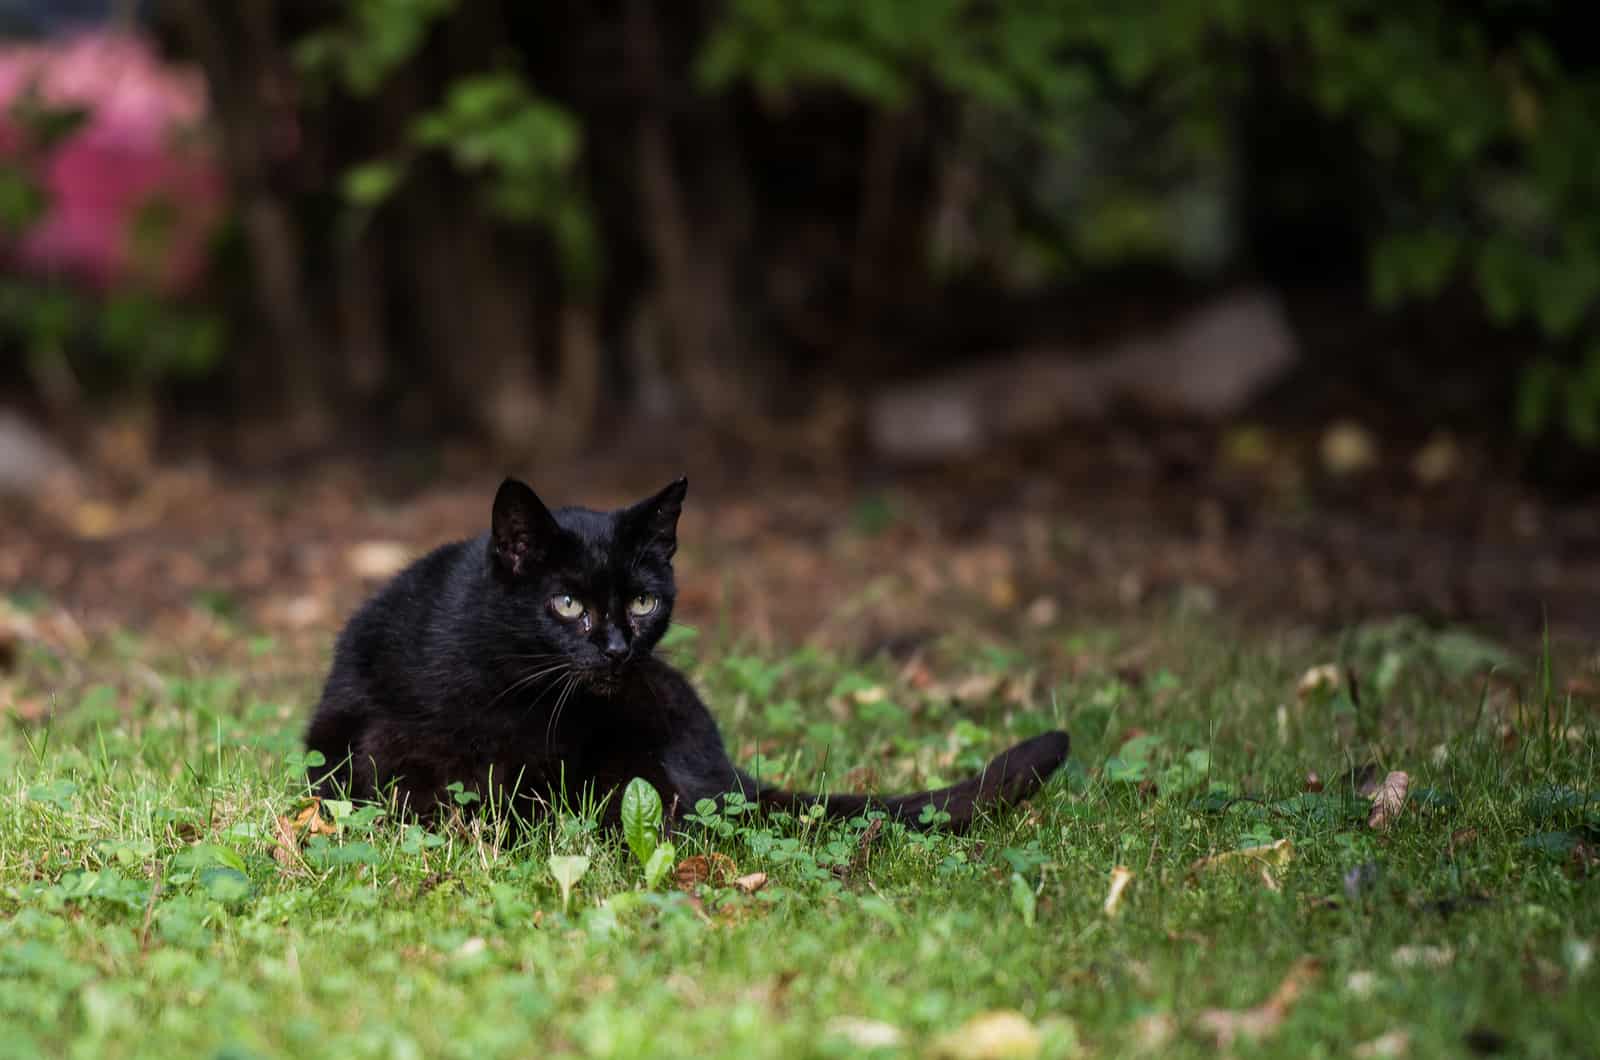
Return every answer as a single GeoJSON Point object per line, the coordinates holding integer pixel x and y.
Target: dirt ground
{"type": "Point", "coordinates": [1249, 524]}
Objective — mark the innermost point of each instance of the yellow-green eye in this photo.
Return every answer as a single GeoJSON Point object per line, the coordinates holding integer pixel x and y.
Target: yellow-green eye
{"type": "Point", "coordinates": [566, 606]}
{"type": "Point", "coordinates": [642, 605]}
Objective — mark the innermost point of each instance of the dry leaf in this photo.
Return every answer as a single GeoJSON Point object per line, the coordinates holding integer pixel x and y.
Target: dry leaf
{"type": "Point", "coordinates": [858, 860]}
{"type": "Point", "coordinates": [718, 870]}
{"type": "Point", "coordinates": [1389, 801]}
{"type": "Point", "coordinates": [1151, 1033]}
{"type": "Point", "coordinates": [285, 846]}
{"type": "Point", "coordinates": [1001, 1035]}
{"type": "Point", "coordinates": [1394, 1043]}
{"type": "Point", "coordinates": [1423, 957]}
{"type": "Point", "coordinates": [298, 612]}
{"type": "Point", "coordinates": [1317, 680]}
{"type": "Point", "coordinates": [1002, 594]}
{"type": "Point", "coordinates": [377, 559]}
{"type": "Point", "coordinates": [1582, 860]}
{"type": "Point", "coordinates": [866, 1034]}
{"type": "Point", "coordinates": [290, 831]}
{"type": "Point", "coordinates": [1361, 983]}
{"type": "Point", "coordinates": [1226, 1025]}
{"type": "Point", "coordinates": [975, 688]}
{"type": "Point", "coordinates": [95, 520]}
{"type": "Point", "coordinates": [752, 883]}
{"type": "Point", "coordinates": [1121, 876]}
{"type": "Point", "coordinates": [1266, 860]}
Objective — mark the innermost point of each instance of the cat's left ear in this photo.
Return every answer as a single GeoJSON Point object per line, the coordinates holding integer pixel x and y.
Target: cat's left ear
{"type": "Point", "coordinates": [655, 520]}
{"type": "Point", "coordinates": [522, 529]}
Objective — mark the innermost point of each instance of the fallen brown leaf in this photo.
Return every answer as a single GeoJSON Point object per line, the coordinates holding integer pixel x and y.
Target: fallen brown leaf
{"type": "Point", "coordinates": [285, 844]}
{"type": "Point", "coordinates": [1583, 860]}
{"type": "Point", "coordinates": [290, 831]}
{"type": "Point", "coordinates": [718, 870]}
{"type": "Point", "coordinates": [974, 688]}
{"type": "Point", "coordinates": [1266, 860]}
{"type": "Point", "coordinates": [1415, 956]}
{"type": "Point", "coordinates": [866, 1034]}
{"type": "Point", "coordinates": [94, 520]}
{"type": "Point", "coordinates": [858, 860]}
{"type": "Point", "coordinates": [1121, 876]}
{"type": "Point", "coordinates": [1043, 612]}
{"type": "Point", "coordinates": [1318, 680]}
{"type": "Point", "coordinates": [1389, 801]}
{"type": "Point", "coordinates": [1226, 1025]}
{"type": "Point", "coordinates": [376, 560]}
{"type": "Point", "coordinates": [1361, 984]}
{"type": "Point", "coordinates": [1000, 1035]}
{"type": "Point", "coordinates": [1152, 1032]}
{"type": "Point", "coordinates": [1394, 1043]}
{"type": "Point", "coordinates": [752, 883]}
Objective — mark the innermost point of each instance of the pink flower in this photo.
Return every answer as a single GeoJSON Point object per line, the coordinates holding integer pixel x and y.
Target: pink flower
{"type": "Point", "coordinates": [142, 144]}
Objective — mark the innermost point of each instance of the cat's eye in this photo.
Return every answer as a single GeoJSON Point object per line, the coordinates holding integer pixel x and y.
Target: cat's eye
{"type": "Point", "coordinates": [566, 605]}
{"type": "Point", "coordinates": [642, 605]}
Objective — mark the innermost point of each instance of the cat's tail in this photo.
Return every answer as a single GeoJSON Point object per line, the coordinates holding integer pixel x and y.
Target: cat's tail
{"type": "Point", "coordinates": [1011, 776]}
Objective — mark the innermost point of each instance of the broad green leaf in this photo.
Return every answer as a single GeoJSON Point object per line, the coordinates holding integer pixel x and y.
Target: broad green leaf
{"type": "Point", "coordinates": [1023, 899]}
{"type": "Point", "coordinates": [568, 870]}
{"type": "Point", "coordinates": [204, 855]}
{"type": "Point", "coordinates": [225, 884]}
{"type": "Point", "coordinates": [641, 818]}
{"type": "Point", "coordinates": [660, 864]}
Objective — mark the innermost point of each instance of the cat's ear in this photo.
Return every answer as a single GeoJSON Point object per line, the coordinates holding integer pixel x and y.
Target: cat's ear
{"type": "Point", "coordinates": [522, 529]}
{"type": "Point", "coordinates": [655, 520]}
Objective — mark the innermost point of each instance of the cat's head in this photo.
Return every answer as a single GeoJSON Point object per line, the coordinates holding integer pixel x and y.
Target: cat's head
{"type": "Point", "coordinates": [589, 591]}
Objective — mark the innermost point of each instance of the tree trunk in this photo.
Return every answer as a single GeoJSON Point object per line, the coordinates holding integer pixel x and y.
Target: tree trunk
{"type": "Point", "coordinates": [248, 74]}
{"type": "Point", "coordinates": [695, 271]}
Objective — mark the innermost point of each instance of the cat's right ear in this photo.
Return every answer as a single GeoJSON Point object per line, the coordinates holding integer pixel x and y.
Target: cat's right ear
{"type": "Point", "coordinates": [521, 531]}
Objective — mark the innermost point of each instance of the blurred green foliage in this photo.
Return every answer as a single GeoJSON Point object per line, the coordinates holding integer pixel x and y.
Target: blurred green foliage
{"type": "Point", "coordinates": [521, 148]}
{"type": "Point", "coordinates": [132, 337]}
{"type": "Point", "coordinates": [1482, 138]}
{"type": "Point", "coordinates": [1100, 134]}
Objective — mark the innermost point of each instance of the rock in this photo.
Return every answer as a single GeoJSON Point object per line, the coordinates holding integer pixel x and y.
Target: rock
{"type": "Point", "coordinates": [1209, 365]}
{"type": "Point", "coordinates": [28, 459]}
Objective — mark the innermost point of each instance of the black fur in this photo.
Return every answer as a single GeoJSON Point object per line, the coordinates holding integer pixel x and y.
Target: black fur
{"type": "Point", "coordinates": [461, 669]}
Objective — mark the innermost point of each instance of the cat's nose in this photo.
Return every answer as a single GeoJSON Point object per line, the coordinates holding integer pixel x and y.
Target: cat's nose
{"type": "Point", "coordinates": [616, 648]}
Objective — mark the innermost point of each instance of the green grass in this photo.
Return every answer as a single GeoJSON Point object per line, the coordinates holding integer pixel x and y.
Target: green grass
{"type": "Point", "coordinates": [143, 914]}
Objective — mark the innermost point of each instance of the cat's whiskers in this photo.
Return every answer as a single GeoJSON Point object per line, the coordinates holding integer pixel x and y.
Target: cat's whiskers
{"type": "Point", "coordinates": [551, 725]}
{"type": "Point", "coordinates": [527, 679]}
{"type": "Point", "coordinates": [540, 697]}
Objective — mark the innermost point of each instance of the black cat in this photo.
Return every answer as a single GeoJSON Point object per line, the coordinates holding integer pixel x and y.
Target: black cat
{"type": "Point", "coordinates": [519, 663]}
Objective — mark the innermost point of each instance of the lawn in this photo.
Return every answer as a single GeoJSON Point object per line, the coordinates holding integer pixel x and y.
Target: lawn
{"type": "Point", "coordinates": [166, 890]}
